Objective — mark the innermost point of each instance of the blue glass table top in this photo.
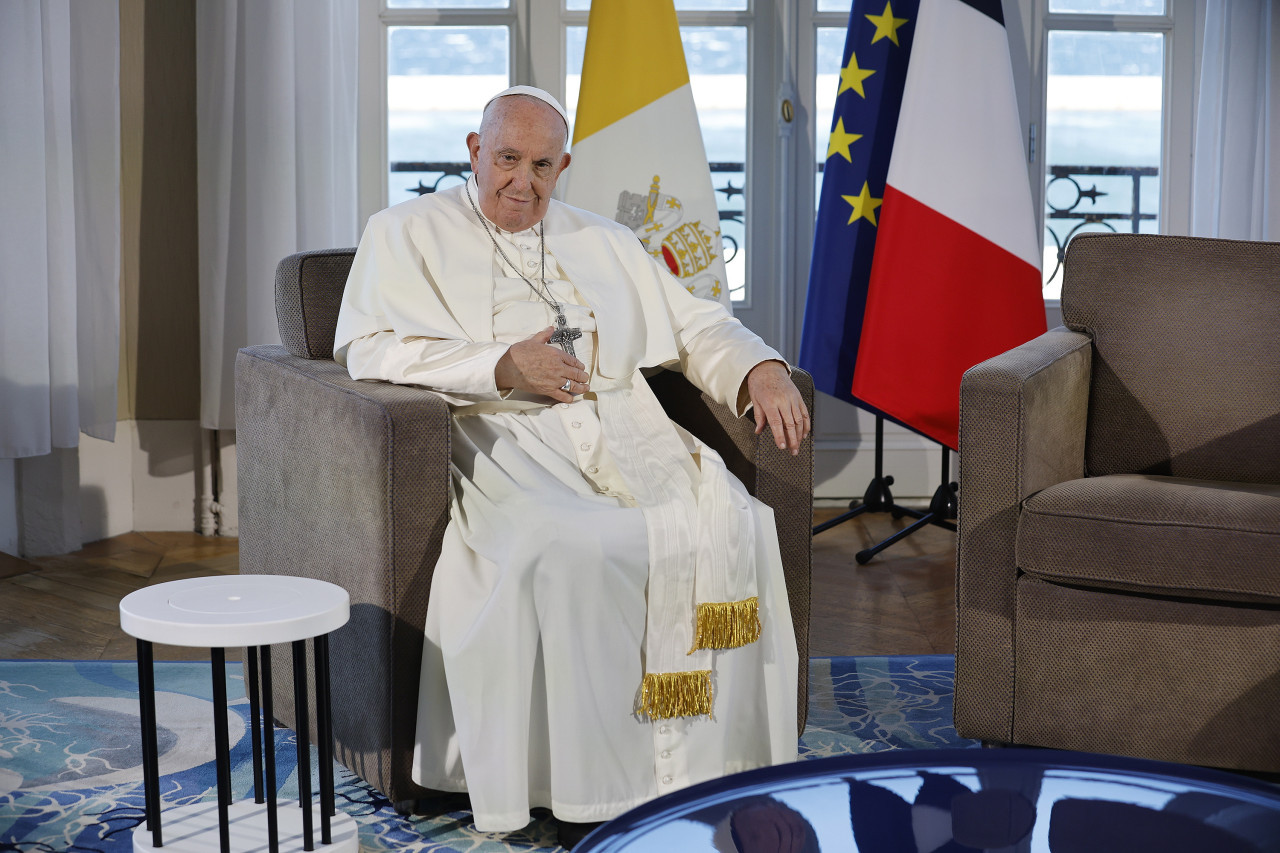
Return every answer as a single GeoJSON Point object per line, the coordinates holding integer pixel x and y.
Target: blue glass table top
{"type": "Point", "coordinates": [958, 801]}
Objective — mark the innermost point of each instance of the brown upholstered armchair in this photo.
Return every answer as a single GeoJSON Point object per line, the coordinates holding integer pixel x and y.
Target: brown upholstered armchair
{"type": "Point", "coordinates": [347, 481]}
{"type": "Point", "coordinates": [1118, 577]}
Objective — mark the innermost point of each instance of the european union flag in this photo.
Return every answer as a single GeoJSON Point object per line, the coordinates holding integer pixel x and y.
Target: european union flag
{"type": "Point", "coordinates": [872, 76]}
{"type": "Point", "coordinates": [925, 260]}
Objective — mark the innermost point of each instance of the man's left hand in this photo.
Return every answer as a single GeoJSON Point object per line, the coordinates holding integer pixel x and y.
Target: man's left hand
{"type": "Point", "coordinates": [778, 404]}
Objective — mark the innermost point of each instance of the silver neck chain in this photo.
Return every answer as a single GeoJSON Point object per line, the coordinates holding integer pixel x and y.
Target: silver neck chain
{"type": "Point", "coordinates": [545, 293]}
{"type": "Point", "coordinates": [564, 334]}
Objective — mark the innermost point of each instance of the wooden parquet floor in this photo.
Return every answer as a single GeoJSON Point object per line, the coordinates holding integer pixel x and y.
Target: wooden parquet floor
{"type": "Point", "coordinates": [66, 607]}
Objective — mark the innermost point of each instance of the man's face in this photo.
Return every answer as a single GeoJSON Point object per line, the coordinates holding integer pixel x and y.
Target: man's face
{"type": "Point", "coordinates": [517, 158]}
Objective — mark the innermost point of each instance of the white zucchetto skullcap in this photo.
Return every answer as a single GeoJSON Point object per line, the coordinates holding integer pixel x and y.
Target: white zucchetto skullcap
{"type": "Point", "coordinates": [533, 92]}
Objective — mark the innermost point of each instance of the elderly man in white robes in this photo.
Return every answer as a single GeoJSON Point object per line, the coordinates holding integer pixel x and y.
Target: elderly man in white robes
{"type": "Point", "coordinates": [607, 621]}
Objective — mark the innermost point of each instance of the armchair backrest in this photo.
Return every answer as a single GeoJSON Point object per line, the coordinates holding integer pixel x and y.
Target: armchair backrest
{"type": "Point", "coordinates": [1186, 360]}
{"type": "Point", "coordinates": [309, 289]}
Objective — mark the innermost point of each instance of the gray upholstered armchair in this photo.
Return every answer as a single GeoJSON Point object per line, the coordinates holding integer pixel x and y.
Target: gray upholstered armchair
{"type": "Point", "coordinates": [347, 481]}
{"type": "Point", "coordinates": [1118, 577]}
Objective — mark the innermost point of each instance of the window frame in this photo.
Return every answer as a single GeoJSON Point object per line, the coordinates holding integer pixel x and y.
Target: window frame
{"type": "Point", "coordinates": [1180, 25]}
{"type": "Point", "coordinates": [781, 44]}
{"type": "Point", "coordinates": [770, 307]}
{"type": "Point", "coordinates": [374, 21]}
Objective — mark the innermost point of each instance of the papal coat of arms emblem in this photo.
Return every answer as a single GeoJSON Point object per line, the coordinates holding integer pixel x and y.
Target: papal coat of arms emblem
{"type": "Point", "coordinates": [687, 248]}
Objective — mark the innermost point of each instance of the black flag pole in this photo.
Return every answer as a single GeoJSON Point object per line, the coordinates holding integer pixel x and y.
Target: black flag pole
{"type": "Point", "coordinates": [942, 509]}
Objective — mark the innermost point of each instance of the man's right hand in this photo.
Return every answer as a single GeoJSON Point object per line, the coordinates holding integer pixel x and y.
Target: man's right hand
{"type": "Point", "coordinates": [536, 366]}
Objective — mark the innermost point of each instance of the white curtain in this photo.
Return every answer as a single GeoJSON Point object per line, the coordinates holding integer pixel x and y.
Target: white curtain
{"type": "Point", "coordinates": [276, 123]}
{"type": "Point", "coordinates": [59, 223]}
{"type": "Point", "coordinates": [1236, 168]}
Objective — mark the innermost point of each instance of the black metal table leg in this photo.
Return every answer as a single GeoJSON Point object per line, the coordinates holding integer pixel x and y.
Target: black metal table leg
{"type": "Point", "coordinates": [269, 750]}
{"type": "Point", "coordinates": [150, 750]}
{"type": "Point", "coordinates": [324, 725]}
{"type": "Point", "coordinates": [215, 613]}
{"type": "Point", "coordinates": [222, 748]}
{"type": "Point", "coordinates": [251, 659]}
{"type": "Point", "coordinates": [304, 740]}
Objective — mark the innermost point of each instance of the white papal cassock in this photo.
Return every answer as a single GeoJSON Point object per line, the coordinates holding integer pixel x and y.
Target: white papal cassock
{"type": "Point", "coordinates": [542, 620]}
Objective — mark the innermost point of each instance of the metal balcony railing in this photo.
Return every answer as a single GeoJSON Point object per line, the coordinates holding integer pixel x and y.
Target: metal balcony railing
{"type": "Point", "coordinates": [1074, 210]}
{"type": "Point", "coordinates": [731, 217]}
{"type": "Point", "coordinates": [1080, 207]}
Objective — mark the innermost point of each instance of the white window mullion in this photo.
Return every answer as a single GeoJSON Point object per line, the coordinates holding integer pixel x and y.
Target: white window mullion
{"type": "Point", "coordinates": [791, 184]}
{"type": "Point", "coordinates": [371, 107]}
{"type": "Point", "coordinates": [767, 174]}
{"type": "Point", "coordinates": [811, 127]}
{"type": "Point", "coordinates": [1177, 27]}
{"type": "Point", "coordinates": [522, 41]}
{"type": "Point", "coordinates": [1179, 127]}
{"type": "Point", "coordinates": [546, 60]}
{"type": "Point", "coordinates": [761, 171]}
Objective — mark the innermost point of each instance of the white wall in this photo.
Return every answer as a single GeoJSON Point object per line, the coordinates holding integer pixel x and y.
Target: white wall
{"type": "Point", "coordinates": [106, 484]}
{"type": "Point", "coordinates": [149, 478]}
{"type": "Point", "coordinates": [844, 455]}
{"type": "Point", "coordinates": [155, 476]}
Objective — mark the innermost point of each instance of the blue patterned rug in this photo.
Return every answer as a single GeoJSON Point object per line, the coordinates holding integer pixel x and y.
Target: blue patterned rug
{"type": "Point", "coordinates": [70, 777]}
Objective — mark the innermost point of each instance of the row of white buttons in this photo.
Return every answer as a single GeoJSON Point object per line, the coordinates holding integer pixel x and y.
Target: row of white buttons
{"type": "Point", "coordinates": [586, 447]}
{"type": "Point", "coordinates": [668, 739]}
{"type": "Point", "coordinates": [528, 247]}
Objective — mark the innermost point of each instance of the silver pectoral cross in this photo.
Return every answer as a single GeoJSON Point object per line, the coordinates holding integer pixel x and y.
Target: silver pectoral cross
{"type": "Point", "coordinates": [565, 335]}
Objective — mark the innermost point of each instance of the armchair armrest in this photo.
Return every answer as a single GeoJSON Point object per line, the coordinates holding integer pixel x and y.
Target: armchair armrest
{"type": "Point", "coordinates": [1022, 428]}
{"type": "Point", "coordinates": [348, 482]}
{"type": "Point", "coordinates": [773, 476]}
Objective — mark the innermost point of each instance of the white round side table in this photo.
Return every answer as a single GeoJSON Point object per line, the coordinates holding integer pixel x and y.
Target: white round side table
{"type": "Point", "coordinates": [254, 612]}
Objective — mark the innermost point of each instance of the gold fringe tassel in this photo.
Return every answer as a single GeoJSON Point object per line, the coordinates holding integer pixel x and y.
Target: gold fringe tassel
{"type": "Point", "coordinates": [676, 694]}
{"type": "Point", "coordinates": [727, 624]}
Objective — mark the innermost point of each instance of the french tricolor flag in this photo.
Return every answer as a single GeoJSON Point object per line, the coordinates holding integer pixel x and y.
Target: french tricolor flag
{"type": "Point", "coordinates": [925, 258]}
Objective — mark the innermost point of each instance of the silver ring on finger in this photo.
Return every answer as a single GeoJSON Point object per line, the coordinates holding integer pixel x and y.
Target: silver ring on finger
{"type": "Point", "coordinates": [568, 383]}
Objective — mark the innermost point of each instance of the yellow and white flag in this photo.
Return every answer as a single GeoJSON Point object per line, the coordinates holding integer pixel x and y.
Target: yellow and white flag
{"type": "Point", "coordinates": [637, 149]}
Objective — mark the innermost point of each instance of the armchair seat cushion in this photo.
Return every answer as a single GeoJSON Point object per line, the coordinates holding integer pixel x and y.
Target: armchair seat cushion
{"type": "Point", "coordinates": [1200, 539]}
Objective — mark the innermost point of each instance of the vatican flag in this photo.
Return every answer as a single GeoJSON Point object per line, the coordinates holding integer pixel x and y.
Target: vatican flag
{"type": "Point", "coordinates": [637, 149]}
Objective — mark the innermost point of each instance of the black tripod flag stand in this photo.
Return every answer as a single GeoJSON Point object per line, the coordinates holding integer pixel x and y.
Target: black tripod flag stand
{"type": "Point", "coordinates": [942, 509]}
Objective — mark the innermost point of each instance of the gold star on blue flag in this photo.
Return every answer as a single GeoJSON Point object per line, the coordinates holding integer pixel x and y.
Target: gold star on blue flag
{"type": "Point", "coordinates": [872, 74]}
{"type": "Point", "coordinates": [852, 77]}
{"type": "Point", "coordinates": [886, 24]}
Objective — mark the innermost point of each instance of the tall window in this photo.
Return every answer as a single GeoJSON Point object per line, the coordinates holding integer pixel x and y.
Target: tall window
{"type": "Point", "coordinates": [1111, 119]}
{"type": "Point", "coordinates": [444, 58]}
{"type": "Point", "coordinates": [828, 55]}
{"type": "Point", "coordinates": [1108, 113]}
{"type": "Point", "coordinates": [1109, 122]}
{"type": "Point", "coordinates": [437, 79]}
